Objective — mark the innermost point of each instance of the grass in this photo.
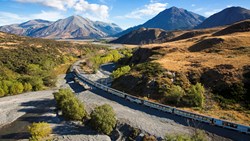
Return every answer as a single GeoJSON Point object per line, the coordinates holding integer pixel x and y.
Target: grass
{"type": "Point", "coordinates": [234, 50]}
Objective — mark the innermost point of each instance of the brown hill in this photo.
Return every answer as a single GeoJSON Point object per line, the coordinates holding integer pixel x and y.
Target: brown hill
{"type": "Point", "coordinates": [220, 63]}
{"type": "Point", "coordinates": [243, 26]}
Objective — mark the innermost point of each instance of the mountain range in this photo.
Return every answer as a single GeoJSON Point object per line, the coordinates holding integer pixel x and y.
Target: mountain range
{"type": "Point", "coordinates": [75, 27]}
{"type": "Point", "coordinates": [170, 19]}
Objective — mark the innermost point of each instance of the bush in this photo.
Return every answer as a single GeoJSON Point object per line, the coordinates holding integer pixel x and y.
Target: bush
{"type": "Point", "coordinates": [177, 137]}
{"type": "Point", "coordinates": [103, 119]}
{"type": "Point", "coordinates": [175, 94]}
{"type": "Point", "coordinates": [120, 71]}
{"type": "Point", "coordinates": [196, 93]}
{"type": "Point", "coordinates": [149, 138]}
{"type": "Point", "coordinates": [39, 131]}
{"type": "Point", "coordinates": [61, 95]}
{"type": "Point", "coordinates": [199, 135]}
{"type": "Point", "coordinates": [16, 88]}
{"type": "Point", "coordinates": [71, 107]}
{"type": "Point", "coordinates": [1, 92]}
{"type": "Point", "coordinates": [27, 87]}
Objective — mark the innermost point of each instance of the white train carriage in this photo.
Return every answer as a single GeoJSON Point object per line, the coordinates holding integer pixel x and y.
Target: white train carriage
{"type": "Point", "coordinates": [133, 99]}
{"type": "Point", "coordinates": [157, 106]}
{"type": "Point", "coordinates": [193, 116]}
{"type": "Point", "coordinates": [117, 93]}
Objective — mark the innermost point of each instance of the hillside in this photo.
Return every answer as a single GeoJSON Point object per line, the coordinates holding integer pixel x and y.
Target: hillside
{"type": "Point", "coordinates": [75, 27]}
{"type": "Point", "coordinates": [170, 19]}
{"type": "Point", "coordinates": [226, 17]}
{"type": "Point", "coordinates": [32, 64]}
{"type": "Point", "coordinates": [219, 62]}
{"type": "Point", "coordinates": [144, 36]}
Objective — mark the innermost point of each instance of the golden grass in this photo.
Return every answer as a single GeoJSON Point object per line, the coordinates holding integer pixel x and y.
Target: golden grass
{"type": "Point", "coordinates": [177, 57]}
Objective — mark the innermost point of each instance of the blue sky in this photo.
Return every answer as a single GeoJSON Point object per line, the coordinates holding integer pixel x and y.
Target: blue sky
{"type": "Point", "coordinates": [125, 13]}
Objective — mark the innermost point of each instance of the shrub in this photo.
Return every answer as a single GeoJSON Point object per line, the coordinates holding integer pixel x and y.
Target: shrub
{"type": "Point", "coordinates": [199, 135]}
{"type": "Point", "coordinates": [71, 107]}
{"type": "Point", "coordinates": [120, 71]}
{"type": "Point", "coordinates": [149, 138]}
{"type": "Point", "coordinates": [103, 119]}
{"type": "Point", "coordinates": [61, 95]}
{"type": "Point", "coordinates": [1, 92]}
{"type": "Point", "coordinates": [27, 87]}
{"type": "Point", "coordinates": [39, 131]}
{"type": "Point", "coordinates": [16, 88]}
{"type": "Point", "coordinates": [174, 95]}
{"type": "Point", "coordinates": [196, 93]}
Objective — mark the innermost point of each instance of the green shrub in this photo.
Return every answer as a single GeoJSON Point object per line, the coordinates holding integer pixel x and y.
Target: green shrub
{"type": "Point", "coordinates": [39, 131]}
{"type": "Point", "coordinates": [120, 71]}
{"type": "Point", "coordinates": [1, 92]}
{"type": "Point", "coordinates": [27, 87]}
{"type": "Point", "coordinates": [175, 94]}
{"type": "Point", "coordinates": [198, 135]}
{"type": "Point", "coordinates": [71, 107]}
{"type": "Point", "coordinates": [61, 95]}
{"type": "Point", "coordinates": [103, 119]}
{"type": "Point", "coordinates": [16, 88]}
{"type": "Point", "coordinates": [196, 93]}
{"type": "Point", "coordinates": [177, 137]}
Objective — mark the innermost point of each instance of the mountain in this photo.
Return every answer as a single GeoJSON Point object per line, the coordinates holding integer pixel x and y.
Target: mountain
{"type": "Point", "coordinates": [25, 28]}
{"type": "Point", "coordinates": [144, 36]}
{"type": "Point", "coordinates": [71, 27]}
{"type": "Point", "coordinates": [226, 17]}
{"type": "Point", "coordinates": [170, 19]}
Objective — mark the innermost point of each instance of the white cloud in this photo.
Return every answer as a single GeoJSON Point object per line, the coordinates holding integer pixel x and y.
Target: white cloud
{"type": "Point", "coordinates": [58, 4]}
{"type": "Point", "coordinates": [209, 13]}
{"type": "Point", "coordinates": [10, 18]}
{"type": "Point", "coordinates": [7, 18]}
{"type": "Point", "coordinates": [147, 10]}
{"type": "Point", "coordinates": [193, 5]}
{"type": "Point", "coordinates": [50, 15]}
{"type": "Point", "coordinates": [93, 11]}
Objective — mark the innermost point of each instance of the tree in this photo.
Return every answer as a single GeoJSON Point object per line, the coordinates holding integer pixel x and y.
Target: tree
{"type": "Point", "coordinates": [39, 131]}
{"type": "Point", "coordinates": [103, 119]}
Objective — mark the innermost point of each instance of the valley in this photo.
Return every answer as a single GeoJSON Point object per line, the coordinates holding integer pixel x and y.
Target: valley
{"type": "Point", "coordinates": [177, 75]}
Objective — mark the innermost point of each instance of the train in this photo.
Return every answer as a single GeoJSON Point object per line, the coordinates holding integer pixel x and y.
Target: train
{"type": "Point", "coordinates": [168, 109]}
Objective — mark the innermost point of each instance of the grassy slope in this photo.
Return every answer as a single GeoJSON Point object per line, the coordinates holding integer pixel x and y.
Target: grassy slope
{"type": "Point", "coordinates": [206, 52]}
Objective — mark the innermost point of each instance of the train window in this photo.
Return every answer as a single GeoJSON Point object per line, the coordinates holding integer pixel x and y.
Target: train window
{"type": "Point", "coordinates": [248, 130]}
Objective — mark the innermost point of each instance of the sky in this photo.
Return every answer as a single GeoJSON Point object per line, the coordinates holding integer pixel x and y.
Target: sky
{"type": "Point", "coordinates": [125, 13]}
